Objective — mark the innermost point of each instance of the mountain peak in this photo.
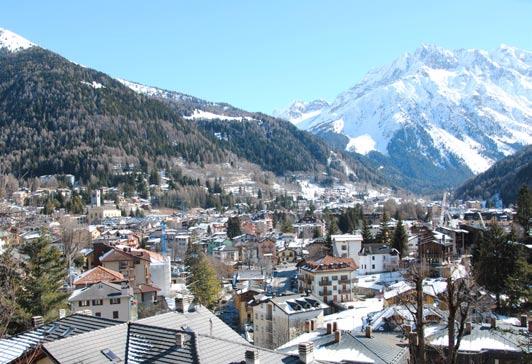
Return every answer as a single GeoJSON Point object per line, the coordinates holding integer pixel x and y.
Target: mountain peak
{"type": "Point", "coordinates": [299, 111]}
{"type": "Point", "coordinates": [13, 42]}
{"type": "Point", "coordinates": [445, 109]}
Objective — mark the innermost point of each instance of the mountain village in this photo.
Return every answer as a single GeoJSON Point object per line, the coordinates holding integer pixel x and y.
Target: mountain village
{"type": "Point", "coordinates": [289, 284]}
{"type": "Point", "coordinates": [391, 224]}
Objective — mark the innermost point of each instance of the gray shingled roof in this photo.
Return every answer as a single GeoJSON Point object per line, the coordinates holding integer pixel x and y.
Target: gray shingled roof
{"type": "Point", "coordinates": [220, 351]}
{"type": "Point", "coordinates": [87, 348]}
{"type": "Point", "coordinates": [14, 347]}
{"type": "Point", "coordinates": [381, 348]}
{"type": "Point", "coordinates": [142, 343]}
{"type": "Point", "coordinates": [198, 321]}
{"type": "Point", "coordinates": [150, 344]}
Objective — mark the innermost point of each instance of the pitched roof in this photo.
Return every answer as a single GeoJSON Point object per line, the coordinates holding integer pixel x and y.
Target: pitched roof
{"type": "Point", "coordinates": [117, 254]}
{"type": "Point", "coordinates": [14, 347]}
{"type": "Point", "coordinates": [330, 263]}
{"type": "Point", "coordinates": [148, 344]}
{"type": "Point", "coordinates": [298, 303]}
{"type": "Point", "coordinates": [98, 274]}
{"type": "Point", "coordinates": [198, 321]}
{"type": "Point", "coordinates": [153, 340]}
{"type": "Point", "coordinates": [99, 290]}
{"type": "Point", "coordinates": [379, 349]}
{"type": "Point", "coordinates": [145, 288]}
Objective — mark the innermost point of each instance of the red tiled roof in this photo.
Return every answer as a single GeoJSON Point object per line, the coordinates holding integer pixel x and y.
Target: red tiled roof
{"type": "Point", "coordinates": [98, 274]}
{"type": "Point", "coordinates": [145, 288]}
{"type": "Point", "coordinates": [330, 263]}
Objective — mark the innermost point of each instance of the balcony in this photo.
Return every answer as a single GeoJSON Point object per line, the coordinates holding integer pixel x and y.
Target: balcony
{"type": "Point", "coordinates": [325, 283]}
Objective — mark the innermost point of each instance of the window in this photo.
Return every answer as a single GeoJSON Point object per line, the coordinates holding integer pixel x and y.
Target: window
{"type": "Point", "coordinates": [97, 302]}
{"type": "Point", "coordinates": [344, 247]}
{"type": "Point", "coordinates": [334, 278]}
{"type": "Point", "coordinates": [115, 301]}
{"type": "Point", "coordinates": [373, 266]}
{"type": "Point", "coordinates": [122, 265]}
{"type": "Point", "coordinates": [115, 314]}
{"type": "Point", "coordinates": [98, 314]}
{"type": "Point", "coordinates": [372, 257]}
{"type": "Point", "coordinates": [84, 303]}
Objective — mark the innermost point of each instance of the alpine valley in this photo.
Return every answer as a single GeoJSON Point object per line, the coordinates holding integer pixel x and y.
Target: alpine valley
{"type": "Point", "coordinates": [432, 118]}
{"type": "Point", "coordinates": [58, 117]}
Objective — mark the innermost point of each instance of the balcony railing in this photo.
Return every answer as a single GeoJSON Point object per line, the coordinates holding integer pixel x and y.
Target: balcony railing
{"type": "Point", "coordinates": [325, 283]}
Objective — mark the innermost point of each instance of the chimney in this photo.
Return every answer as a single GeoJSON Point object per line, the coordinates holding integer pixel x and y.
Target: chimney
{"type": "Point", "coordinates": [335, 326]}
{"type": "Point", "coordinates": [524, 320]}
{"type": "Point", "coordinates": [337, 336]}
{"type": "Point", "coordinates": [180, 340]}
{"type": "Point", "coordinates": [312, 325]}
{"type": "Point", "coordinates": [62, 313]}
{"type": "Point", "coordinates": [306, 352]}
{"type": "Point", "coordinates": [493, 322]}
{"type": "Point", "coordinates": [368, 331]}
{"type": "Point", "coordinates": [252, 357]}
{"type": "Point", "coordinates": [468, 328]}
{"type": "Point", "coordinates": [37, 321]}
{"type": "Point", "coordinates": [329, 328]}
{"type": "Point", "coordinates": [307, 326]}
{"type": "Point", "coordinates": [182, 304]}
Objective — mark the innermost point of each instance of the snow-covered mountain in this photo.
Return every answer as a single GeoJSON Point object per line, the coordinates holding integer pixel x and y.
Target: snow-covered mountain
{"type": "Point", "coordinates": [436, 114]}
{"type": "Point", "coordinates": [12, 42]}
{"type": "Point", "coordinates": [300, 111]}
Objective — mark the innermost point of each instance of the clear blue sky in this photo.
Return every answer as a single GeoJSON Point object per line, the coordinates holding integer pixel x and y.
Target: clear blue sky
{"type": "Point", "coordinates": [259, 55]}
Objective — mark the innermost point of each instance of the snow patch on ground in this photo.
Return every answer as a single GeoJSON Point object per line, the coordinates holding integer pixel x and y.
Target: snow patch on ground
{"type": "Point", "coordinates": [95, 85]}
{"type": "Point", "coordinates": [205, 115]}
{"type": "Point", "coordinates": [468, 149]}
{"type": "Point", "coordinates": [310, 191]}
{"type": "Point", "coordinates": [338, 125]}
{"type": "Point", "coordinates": [13, 42]}
{"type": "Point", "coordinates": [362, 144]}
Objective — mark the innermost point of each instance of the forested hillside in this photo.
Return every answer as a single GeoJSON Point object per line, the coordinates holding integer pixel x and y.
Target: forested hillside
{"type": "Point", "coordinates": [504, 178]}
{"type": "Point", "coordinates": [60, 117]}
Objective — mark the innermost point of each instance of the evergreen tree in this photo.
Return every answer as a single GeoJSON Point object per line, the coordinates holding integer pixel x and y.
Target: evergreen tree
{"type": "Point", "coordinates": [332, 229]}
{"type": "Point", "coordinates": [204, 282]}
{"type": "Point", "coordinates": [400, 239]}
{"type": "Point", "coordinates": [495, 260]}
{"type": "Point", "coordinates": [44, 275]}
{"type": "Point", "coordinates": [76, 205]}
{"type": "Point", "coordinates": [524, 208]}
{"type": "Point", "coordinates": [13, 317]}
{"type": "Point", "coordinates": [383, 237]}
{"type": "Point", "coordinates": [517, 284]}
{"type": "Point", "coordinates": [233, 227]}
{"type": "Point", "coordinates": [316, 233]}
{"type": "Point", "coordinates": [155, 179]}
{"type": "Point", "coordinates": [367, 238]}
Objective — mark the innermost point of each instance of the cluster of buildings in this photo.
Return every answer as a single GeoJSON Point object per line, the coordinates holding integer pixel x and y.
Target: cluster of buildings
{"type": "Point", "coordinates": [289, 295]}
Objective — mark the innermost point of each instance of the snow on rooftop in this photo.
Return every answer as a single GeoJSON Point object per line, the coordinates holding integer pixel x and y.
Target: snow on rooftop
{"type": "Point", "coordinates": [13, 42]}
{"type": "Point", "coordinates": [352, 319]}
{"type": "Point", "coordinates": [477, 343]}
